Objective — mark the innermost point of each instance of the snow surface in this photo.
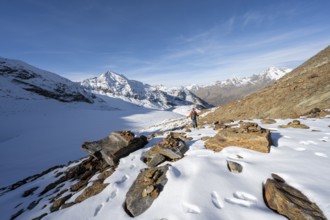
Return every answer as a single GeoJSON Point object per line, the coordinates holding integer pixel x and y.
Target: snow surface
{"type": "Point", "coordinates": [199, 185]}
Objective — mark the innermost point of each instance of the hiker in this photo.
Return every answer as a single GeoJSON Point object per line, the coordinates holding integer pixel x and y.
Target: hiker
{"type": "Point", "coordinates": [193, 115]}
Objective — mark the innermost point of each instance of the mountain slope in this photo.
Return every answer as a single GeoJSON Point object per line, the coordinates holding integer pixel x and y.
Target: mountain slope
{"type": "Point", "coordinates": [301, 90]}
{"type": "Point", "coordinates": [222, 92]}
{"type": "Point", "coordinates": [116, 85]}
{"type": "Point", "coordinates": [23, 81]}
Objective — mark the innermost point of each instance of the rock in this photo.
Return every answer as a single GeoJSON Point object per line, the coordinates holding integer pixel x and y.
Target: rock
{"type": "Point", "coordinates": [115, 146]}
{"type": "Point", "coordinates": [29, 191]}
{"type": "Point", "coordinates": [92, 190]}
{"type": "Point", "coordinates": [59, 202]}
{"type": "Point", "coordinates": [18, 213]}
{"type": "Point", "coordinates": [268, 121]}
{"type": "Point", "coordinates": [145, 189]}
{"type": "Point", "coordinates": [278, 178]}
{"type": "Point", "coordinates": [290, 202]}
{"type": "Point", "coordinates": [294, 124]}
{"type": "Point", "coordinates": [40, 217]}
{"type": "Point", "coordinates": [33, 204]}
{"type": "Point", "coordinates": [248, 135]}
{"type": "Point", "coordinates": [170, 148]}
{"type": "Point", "coordinates": [234, 167]}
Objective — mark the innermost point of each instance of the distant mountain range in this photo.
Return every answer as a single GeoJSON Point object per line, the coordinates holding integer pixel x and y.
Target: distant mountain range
{"type": "Point", "coordinates": [222, 92]}
{"type": "Point", "coordinates": [304, 90]}
{"type": "Point", "coordinates": [116, 85]}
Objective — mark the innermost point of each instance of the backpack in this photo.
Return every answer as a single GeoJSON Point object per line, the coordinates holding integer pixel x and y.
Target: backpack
{"type": "Point", "coordinates": [193, 115]}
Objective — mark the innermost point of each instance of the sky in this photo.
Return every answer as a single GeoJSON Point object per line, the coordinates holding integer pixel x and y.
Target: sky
{"type": "Point", "coordinates": [169, 42]}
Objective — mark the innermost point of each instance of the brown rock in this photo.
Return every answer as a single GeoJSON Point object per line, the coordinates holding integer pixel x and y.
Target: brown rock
{"type": "Point", "coordinates": [290, 202]}
{"type": "Point", "coordinates": [294, 124]}
{"type": "Point", "coordinates": [59, 202]}
{"type": "Point", "coordinates": [248, 135]}
{"type": "Point", "coordinates": [268, 121]}
{"type": "Point", "coordinates": [92, 190]}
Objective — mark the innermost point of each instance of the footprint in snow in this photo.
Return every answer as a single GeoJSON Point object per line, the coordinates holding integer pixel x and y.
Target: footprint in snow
{"type": "Point", "coordinates": [320, 154]}
{"type": "Point", "coordinates": [308, 142]}
{"type": "Point", "coordinates": [242, 199]}
{"type": "Point", "coordinates": [132, 166]}
{"type": "Point", "coordinates": [190, 208]}
{"type": "Point", "coordinates": [300, 149]}
{"type": "Point", "coordinates": [216, 200]}
{"type": "Point", "coordinates": [98, 209]}
{"type": "Point", "coordinates": [113, 194]}
{"type": "Point", "coordinates": [123, 179]}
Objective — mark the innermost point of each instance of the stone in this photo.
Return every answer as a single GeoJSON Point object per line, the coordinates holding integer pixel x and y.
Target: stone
{"type": "Point", "coordinates": [170, 148]}
{"type": "Point", "coordinates": [268, 121]}
{"type": "Point", "coordinates": [249, 135]}
{"type": "Point", "coordinates": [59, 202]}
{"type": "Point", "coordinates": [92, 190]}
{"type": "Point", "coordinates": [294, 124]}
{"type": "Point", "coordinates": [234, 167]}
{"type": "Point", "coordinates": [40, 217]}
{"type": "Point", "coordinates": [145, 189]}
{"type": "Point", "coordinates": [290, 202]}
{"type": "Point", "coordinates": [29, 191]}
{"type": "Point", "coordinates": [115, 146]}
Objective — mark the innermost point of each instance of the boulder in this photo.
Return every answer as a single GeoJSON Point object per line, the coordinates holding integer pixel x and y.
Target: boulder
{"type": "Point", "coordinates": [92, 190]}
{"type": "Point", "coordinates": [234, 167]}
{"type": "Point", "coordinates": [145, 189]}
{"type": "Point", "coordinates": [115, 146]}
{"type": "Point", "coordinates": [294, 124]}
{"type": "Point", "coordinates": [290, 202]}
{"type": "Point", "coordinates": [170, 148]}
{"type": "Point", "coordinates": [268, 121]}
{"type": "Point", "coordinates": [249, 135]}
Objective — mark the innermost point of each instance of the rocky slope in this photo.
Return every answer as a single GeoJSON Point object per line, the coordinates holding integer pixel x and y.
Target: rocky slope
{"type": "Point", "coordinates": [222, 92]}
{"type": "Point", "coordinates": [295, 94]}
{"type": "Point", "coordinates": [22, 81]}
{"type": "Point", "coordinates": [116, 85]}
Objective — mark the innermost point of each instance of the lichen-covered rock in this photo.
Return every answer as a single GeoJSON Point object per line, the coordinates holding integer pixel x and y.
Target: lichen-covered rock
{"type": "Point", "coordinates": [294, 124]}
{"type": "Point", "coordinates": [145, 189]}
{"type": "Point", "coordinates": [92, 190]}
{"type": "Point", "coordinates": [115, 146]}
{"type": "Point", "coordinates": [170, 148]}
{"type": "Point", "coordinates": [249, 135]}
{"type": "Point", "coordinates": [289, 201]}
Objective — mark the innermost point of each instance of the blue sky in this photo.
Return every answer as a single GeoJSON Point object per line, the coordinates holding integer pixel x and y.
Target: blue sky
{"type": "Point", "coordinates": [170, 42]}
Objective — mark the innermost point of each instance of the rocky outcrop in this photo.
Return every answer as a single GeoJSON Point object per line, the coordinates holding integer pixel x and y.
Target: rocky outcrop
{"type": "Point", "coordinates": [234, 167]}
{"type": "Point", "coordinates": [249, 135]}
{"type": "Point", "coordinates": [290, 202]}
{"type": "Point", "coordinates": [294, 124]}
{"type": "Point", "coordinates": [115, 146]}
{"type": "Point", "coordinates": [268, 121]}
{"type": "Point", "coordinates": [170, 148]}
{"type": "Point", "coordinates": [145, 189]}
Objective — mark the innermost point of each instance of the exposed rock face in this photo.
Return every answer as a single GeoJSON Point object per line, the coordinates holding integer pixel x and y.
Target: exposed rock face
{"type": "Point", "coordinates": [145, 189]}
{"type": "Point", "coordinates": [115, 146]}
{"type": "Point", "coordinates": [170, 148]}
{"type": "Point", "coordinates": [234, 167]}
{"type": "Point", "coordinates": [294, 124]}
{"type": "Point", "coordinates": [92, 190]}
{"type": "Point", "coordinates": [248, 135]}
{"type": "Point", "coordinates": [290, 202]}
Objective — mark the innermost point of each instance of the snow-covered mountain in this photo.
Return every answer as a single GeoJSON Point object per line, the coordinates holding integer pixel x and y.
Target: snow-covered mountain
{"type": "Point", "coordinates": [221, 92]}
{"type": "Point", "coordinates": [116, 85]}
{"type": "Point", "coordinates": [20, 80]}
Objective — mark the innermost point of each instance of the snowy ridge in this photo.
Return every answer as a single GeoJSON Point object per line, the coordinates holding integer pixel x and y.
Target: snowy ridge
{"type": "Point", "coordinates": [116, 85]}
{"type": "Point", "coordinates": [20, 80]}
{"type": "Point", "coordinates": [270, 74]}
